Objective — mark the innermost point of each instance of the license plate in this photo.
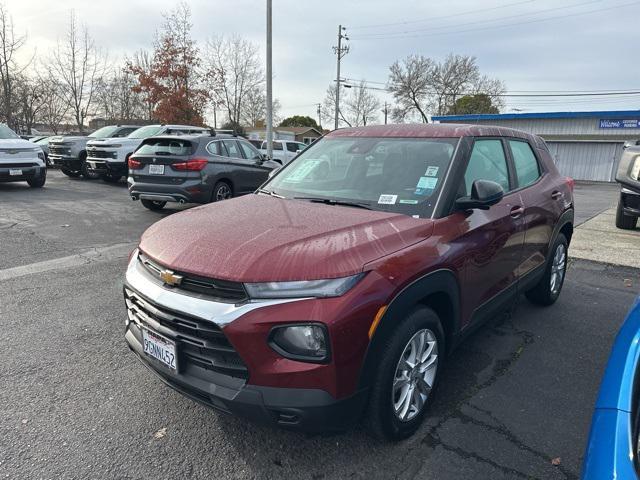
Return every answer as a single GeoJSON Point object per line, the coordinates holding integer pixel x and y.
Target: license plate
{"type": "Point", "coordinates": [160, 348]}
{"type": "Point", "coordinates": [15, 172]}
{"type": "Point", "coordinates": [156, 169]}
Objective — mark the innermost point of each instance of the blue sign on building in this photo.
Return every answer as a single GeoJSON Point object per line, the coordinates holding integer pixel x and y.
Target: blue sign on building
{"type": "Point", "coordinates": [619, 123]}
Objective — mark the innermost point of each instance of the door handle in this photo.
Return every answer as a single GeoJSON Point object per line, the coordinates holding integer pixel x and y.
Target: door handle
{"type": "Point", "coordinates": [516, 211]}
{"type": "Point", "coordinates": [556, 195]}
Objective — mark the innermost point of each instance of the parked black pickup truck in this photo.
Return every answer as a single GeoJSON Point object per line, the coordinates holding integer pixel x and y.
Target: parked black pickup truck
{"type": "Point", "coordinates": [629, 177]}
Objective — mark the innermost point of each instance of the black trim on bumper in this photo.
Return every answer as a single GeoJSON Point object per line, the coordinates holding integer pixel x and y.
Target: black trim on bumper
{"type": "Point", "coordinates": [630, 203]}
{"type": "Point", "coordinates": [27, 173]}
{"type": "Point", "coordinates": [68, 163]}
{"type": "Point", "coordinates": [106, 168]}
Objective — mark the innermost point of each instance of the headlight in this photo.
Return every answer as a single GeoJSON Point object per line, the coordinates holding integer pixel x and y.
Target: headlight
{"type": "Point", "coordinates": [304, 342]}
{"type": "Point", "coordinates": [635, 170]}
{"type": "Point", "coordinates": [333, 287]}
{"type": "Point", "coordinates": [41, 155]}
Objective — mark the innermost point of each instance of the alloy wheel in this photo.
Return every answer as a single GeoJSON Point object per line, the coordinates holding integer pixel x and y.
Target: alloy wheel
{"type": "Point", "coordinates": [223, 193]}
{"type": "Point", "coordinates": [415, 375]}
{"type": "Point", "coordinates": [558, 267]}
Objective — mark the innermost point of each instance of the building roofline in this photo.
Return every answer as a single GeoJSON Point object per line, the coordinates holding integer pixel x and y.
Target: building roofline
{"type": "Point", "coordinates": [604, 114]}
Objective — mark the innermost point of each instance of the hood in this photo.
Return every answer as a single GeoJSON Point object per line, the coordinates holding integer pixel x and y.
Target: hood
{"type": "Point", "coordinates": [258, 238]}
{"type": "Point", "coordinates": [17, 143]}
{"type": "Point", "coordinates": [70, 138]}
{"type": "Point", "coordinates": [96, 142]}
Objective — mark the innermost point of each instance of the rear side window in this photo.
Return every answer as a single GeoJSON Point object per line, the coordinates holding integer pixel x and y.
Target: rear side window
{"type": "Point", "coordinates": [525, 162]}
{"type": "Point", "coordinates": [123, 132]}
{"type": "Point", "coordinates": [166, 147]}
{"type": "Point", "coordinates": [276, 146]}
{"type": "Point", "coordinates": [232, 148]}
{"type": "Point", "coordinates": [292, 147]}
{"type": "Point", "coordinates": [487, 162]}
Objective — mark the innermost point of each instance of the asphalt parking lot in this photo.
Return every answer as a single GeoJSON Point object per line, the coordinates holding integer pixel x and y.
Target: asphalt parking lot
{"type": "Point", "coordinates": [75, 403]}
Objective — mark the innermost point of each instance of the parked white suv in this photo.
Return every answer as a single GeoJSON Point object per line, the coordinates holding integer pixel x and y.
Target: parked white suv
{"type": "Point", "coordinates": [21, 160]}
{"type": "Point", "coordinates": [108, 157]}
{"type": "Point", "coordinates": [284, 150]}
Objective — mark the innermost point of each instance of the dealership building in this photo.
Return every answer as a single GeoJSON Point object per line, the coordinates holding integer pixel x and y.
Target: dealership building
{"type": "Point", "coordinates": [584, 145]}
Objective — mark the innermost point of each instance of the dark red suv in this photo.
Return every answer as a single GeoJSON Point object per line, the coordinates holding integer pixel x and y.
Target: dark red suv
{"type": "Point", "coordinates": [337, 290]}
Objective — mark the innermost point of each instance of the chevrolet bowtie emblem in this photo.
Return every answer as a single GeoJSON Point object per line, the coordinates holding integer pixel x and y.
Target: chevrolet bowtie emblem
{"type": "Point", "coordinates": [170, 278]}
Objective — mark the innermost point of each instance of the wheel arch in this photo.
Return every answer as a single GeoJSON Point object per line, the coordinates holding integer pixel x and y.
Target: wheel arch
{"type": "Point", "coordinates": [565, 226]}
{"type": "Point", "coordinates": [438, 290]}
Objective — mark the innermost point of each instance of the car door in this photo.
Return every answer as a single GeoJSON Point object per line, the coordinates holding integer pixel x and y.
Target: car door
{"type": "Point", "coordinates": [492, 238]}
{"type": "Point", "coordinates": [257, 168]}
{"type": "Point", "coordinates": [242, 168]}
{"type": "Point", "coordinates": [540, 196]}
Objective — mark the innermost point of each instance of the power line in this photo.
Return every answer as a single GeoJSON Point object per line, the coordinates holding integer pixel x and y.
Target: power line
{"type": "Point", "coordinates": [468, 12]}
{"type": "Point", "coordinates": [454, 32]}
{"type": "Point", "coordinates": [477, 22]}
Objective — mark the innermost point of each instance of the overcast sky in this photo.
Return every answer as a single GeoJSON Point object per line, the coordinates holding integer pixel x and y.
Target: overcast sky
{"type": "Point", "coordinates": [574, 50]}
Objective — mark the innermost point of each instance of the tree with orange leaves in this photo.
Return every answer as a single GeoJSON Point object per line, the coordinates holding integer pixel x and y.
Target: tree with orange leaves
{"type": "Point", "coordinates": [173, 80]}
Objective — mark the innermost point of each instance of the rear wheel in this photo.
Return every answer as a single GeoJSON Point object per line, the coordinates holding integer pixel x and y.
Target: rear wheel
{"type": "Point", "coordinates": [38, 182]}
{"type": "Point", "coordinates": [154, 205]}
{"type": "Point", "coordinates": [70, 173]}
{"type": "Point", "coordinates": [547, 291]}
{"type": "Point", "coordinates": [407, 376]}
{"type": "Point", "coordinates": [625, 222]}
{"type": "Point", "coordinates": [221, 191]}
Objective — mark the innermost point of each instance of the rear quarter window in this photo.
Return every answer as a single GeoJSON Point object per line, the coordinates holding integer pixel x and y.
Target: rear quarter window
{"type": "Point", "coordinates": [525, 163]}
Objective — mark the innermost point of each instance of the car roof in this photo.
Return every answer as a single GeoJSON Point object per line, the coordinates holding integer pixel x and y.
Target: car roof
{"type": "Point", "coordinates": [432, 130]}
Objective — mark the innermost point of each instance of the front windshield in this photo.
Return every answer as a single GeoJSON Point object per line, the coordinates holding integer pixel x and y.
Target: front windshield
{"type": "Point", "coordinates": [145, 132]}
{"type": "Point", "coordinates": [6, 133]}
{"type": "Point", "coordinates": [104, 132]}
{"type": "Point", "coordinates": [400, 175]}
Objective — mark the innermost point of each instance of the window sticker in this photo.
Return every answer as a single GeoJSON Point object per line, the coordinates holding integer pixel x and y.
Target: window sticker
{"type": "Point", "coordinates": [387, 199]}
{"type": "Point", "coordinates": [415, 216]}
{"type": "Point", "coordinates": [302, 171]}
{"type": "Point", "coordinates": [426, 185]}
{"type": "Point", "coordinates": [409, 202]}
{"type": "Point", "coordinates": [431, 172]}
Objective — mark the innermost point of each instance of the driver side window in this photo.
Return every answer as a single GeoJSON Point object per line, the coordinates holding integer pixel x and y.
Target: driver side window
{"type": "Point", "coordinates": [487, 162]}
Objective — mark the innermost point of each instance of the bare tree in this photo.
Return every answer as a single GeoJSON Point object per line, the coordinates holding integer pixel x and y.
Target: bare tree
{"type": "Point", "coordinates": [421, 85]}
{"type": "Point", "coordinates": [410, 84]}
{"type": "Point", "coordinates": [117, 98]}
{"type": "Point", "coordinates": [29, 93]}
{"type": "Point", "coordinates": [10, 44]}
{"type": "Point", "coordinates": [254, 107]}
{"type": "Point", "coordinates": [55, 105]}
{"type": "Point", "coordinates": [234, 71]}
{"type": "Point", "coordinates": [358, 105]}
{"type": "Point", "coordinates": [79, 66]}
{"type": "Point", "coordinates": [362, 105]}
{"type": "Point", "coordinates": [142, 61]}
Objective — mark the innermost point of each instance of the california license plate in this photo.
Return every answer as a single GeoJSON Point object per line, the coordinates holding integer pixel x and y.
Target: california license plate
{"type": "Point", "coordinates": [160, 348]}
{"type": "Point", "coordinates": [14, 172]}
{"type": "Point", "coordinates": [156, 169]}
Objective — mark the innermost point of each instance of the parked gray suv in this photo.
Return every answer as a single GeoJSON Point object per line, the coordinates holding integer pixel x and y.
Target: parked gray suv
{"type": "Point", "coordinates": [629, 177]}
{"type": "Point", "coordinates": [70, 152]}
{"type": "Point", "coordinates": [195, 169]}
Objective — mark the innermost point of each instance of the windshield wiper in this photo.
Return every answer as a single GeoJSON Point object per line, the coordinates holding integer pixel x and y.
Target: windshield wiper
{"type": "Point", "coordinates": [331, 201]}
{"type": "Point", "coordinates": [270, 193]}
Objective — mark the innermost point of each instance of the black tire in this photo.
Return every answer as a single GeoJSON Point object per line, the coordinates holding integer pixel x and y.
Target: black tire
{"type": "Point", "coordinates": [381, 417]}
{"type": "Point", "coordinates": [221, 191]}
{"type": "Point", "coordinates": [625, 222]}
{"type": "Point", "coordinates": [154, 205]}
{"type": "Point", "coordinates": [84, 168]}
{"type": "Point", "coordinates": [544, 293]}
{"type": "Point", "coordinates": [111, 177]}
{"type": "Point", "coordinates": [70, 173]}
{"type": "Point", "coordinates": [39, 181]}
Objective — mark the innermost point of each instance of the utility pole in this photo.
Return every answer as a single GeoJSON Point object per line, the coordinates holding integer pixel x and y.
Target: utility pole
{"type": "Point", "coordinates": [385, 111]}
{"type": "Point", "coordinates": [340, 51]}
{"type": "Point", "coordinates": [269, 84]}
{"type": "Point", "coordinates": [319, 116]}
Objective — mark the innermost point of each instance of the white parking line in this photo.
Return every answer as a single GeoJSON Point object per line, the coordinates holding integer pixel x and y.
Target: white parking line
{"type": "Point", "coordinates": [99, 254]}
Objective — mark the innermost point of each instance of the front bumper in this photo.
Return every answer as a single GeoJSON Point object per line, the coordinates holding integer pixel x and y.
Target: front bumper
{"type": "Point", "coordinates": [630, 202]}
{"type": "Point", "coordinates": [28, 171]}
{"type": "Point", "coordinates": [67, 162]}
{"type": "Point", "coordinates": [104, 167]}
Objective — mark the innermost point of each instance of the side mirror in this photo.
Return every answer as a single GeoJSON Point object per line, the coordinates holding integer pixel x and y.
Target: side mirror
{"type": "Point", "coordinates": [484, 193]}
{"type": "Point", "coordinates": [265, 157]}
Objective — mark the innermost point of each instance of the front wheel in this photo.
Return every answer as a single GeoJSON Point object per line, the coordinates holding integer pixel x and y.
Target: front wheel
{"type": "Point", "coordinates": [407, 375]}
{"type": "Point", "coordinates": [625, 222]}
{"type": "Point", "coordinates": [111, 177]}
{"type": "Point", "coordinates": [38, 182]}
{"type": "Point", "coordinates": [84, 169]}
{"type": "Point", "coordinates": [547, 291]}
{"type": "Point", "coordinates": [70, 173]}
{"type": "Point", "coordinates": [154, 205]}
